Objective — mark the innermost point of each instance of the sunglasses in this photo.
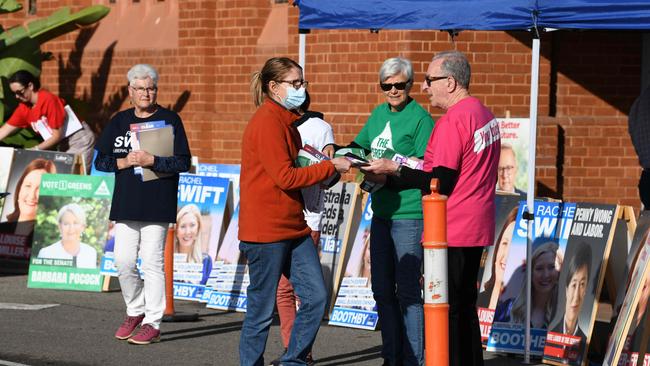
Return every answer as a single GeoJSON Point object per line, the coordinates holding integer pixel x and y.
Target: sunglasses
{"type": "Point", "coordinates": [398, 86]}
{"type": "Point", "coordinates": [430, 79]}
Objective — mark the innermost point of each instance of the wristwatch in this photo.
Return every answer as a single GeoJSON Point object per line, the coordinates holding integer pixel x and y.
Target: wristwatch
{"type": "Point", "coordinates": [398, 171]}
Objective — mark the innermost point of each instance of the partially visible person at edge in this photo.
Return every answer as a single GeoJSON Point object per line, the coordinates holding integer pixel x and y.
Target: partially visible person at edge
{"type": "Point", "coordinates": [142, 210]}
{"type": "Point", "coordinates": [39, 107]}
{"type": "Point", "coordinates": [317, 133]}
{"type": "Point", "coordinates": [467, 171]}
{"type": "Point", "coordinates": [275, 238]}
{"type": "Point", "coordinates": [401, 125]}
{"type": "Point", "coordinates": [639, 129]}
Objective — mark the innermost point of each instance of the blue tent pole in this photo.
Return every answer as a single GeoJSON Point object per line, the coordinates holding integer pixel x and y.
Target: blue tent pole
{"type": "Point", "coordinates": [534, 91]}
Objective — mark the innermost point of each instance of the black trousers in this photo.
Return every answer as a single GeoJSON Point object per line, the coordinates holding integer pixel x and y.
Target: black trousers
{"type": "Point", "coordinates": [644, 188]}
{"type": "Point", "coordinates": [464, 333]}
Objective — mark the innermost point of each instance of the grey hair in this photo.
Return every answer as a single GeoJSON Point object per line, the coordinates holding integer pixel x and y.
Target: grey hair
{"type": "Point", "coordinates": [396, 66]}
{"type": "Point", "coordinates": [455, 64]}
{"type": "Point", "coordinates": [74, 209]}
{"type": "Point", "coordinates": [142, 71]}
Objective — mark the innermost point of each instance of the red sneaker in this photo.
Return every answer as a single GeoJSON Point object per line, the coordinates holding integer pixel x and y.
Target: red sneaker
{"type": "Point", "coordinates": [128, 326]}
{"type": "Point", "coordinates": [146, 335]}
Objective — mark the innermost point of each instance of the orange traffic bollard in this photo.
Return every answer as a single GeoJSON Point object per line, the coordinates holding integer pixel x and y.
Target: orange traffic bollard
{"type": "Point", "coordinates": [436, 306]}
{"type": "Point", "coordinates": [170, 315]}
{"type": "Point", "coordinates": [169, 272]}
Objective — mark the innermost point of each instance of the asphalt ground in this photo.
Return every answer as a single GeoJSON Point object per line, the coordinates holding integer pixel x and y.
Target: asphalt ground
{"type": "Point", "coordinates": [79, 330]}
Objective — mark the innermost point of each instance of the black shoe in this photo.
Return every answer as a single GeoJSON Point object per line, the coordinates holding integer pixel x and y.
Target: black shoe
{"type": "Point", "coordinates": [276, 362]}
{"type": "Point", "coordinates": [388, 363]}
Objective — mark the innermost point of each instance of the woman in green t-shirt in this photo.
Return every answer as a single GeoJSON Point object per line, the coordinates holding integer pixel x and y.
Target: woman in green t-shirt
{"type": "Point", "coordinates": [399, 126]}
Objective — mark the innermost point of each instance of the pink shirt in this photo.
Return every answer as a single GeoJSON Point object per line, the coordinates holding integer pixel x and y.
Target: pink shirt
{"type": "Point", "coordinates": [467, 139]}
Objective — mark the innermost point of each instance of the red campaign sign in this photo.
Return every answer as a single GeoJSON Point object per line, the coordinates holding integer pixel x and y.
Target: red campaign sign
{"type": "Point", "coordinates": [12, 245]}
{"type": "Point", "coordinates": [561, 346]}
{"type": "Point", "coordinates": [562, 339]}
{"type": "Point", "coordinates": [557, 352]}
{"type": "Point", "coordinates": [485, 317]}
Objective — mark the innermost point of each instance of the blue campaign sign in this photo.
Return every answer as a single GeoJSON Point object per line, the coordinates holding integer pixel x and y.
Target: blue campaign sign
{"type": "Point", "coordinates": [199, 227]}
{"type": "Point", "coordinates": [512, 340]}
{"type": "Point", "coordinates": [229, 171]}
{"type": "Point", "coordinates": [187, 291]}
{"type": "Point", "coordinates": [551, 230]}
{"type": "Point", "coordinates": [107, 265]}
{"type": "Point", "coordinates": [354, 318]}
{"type": "Point", "coordinates": [227, 301]}
{"type": "Point", "coordinates": [355, 306]}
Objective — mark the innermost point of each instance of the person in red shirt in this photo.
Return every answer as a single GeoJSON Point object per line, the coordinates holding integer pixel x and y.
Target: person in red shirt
{"type": "Point", "coordinates": [38, 109]}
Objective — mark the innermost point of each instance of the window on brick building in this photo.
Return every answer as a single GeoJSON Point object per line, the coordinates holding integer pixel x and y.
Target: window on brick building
{"type": "Point", "coordinates": [31, 7]}
{"type": "Point", "coordinates": [281, 1]}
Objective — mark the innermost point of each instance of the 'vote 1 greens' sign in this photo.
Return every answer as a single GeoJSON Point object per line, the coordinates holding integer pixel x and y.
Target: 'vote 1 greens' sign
{"type": "Point", "coordinates": [71, 231]}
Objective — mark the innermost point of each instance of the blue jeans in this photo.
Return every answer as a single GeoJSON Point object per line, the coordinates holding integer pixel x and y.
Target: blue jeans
{"type": "Point", "coordinates": [298, 260]}
{"type": "Point", "coordinates": [396, 268]}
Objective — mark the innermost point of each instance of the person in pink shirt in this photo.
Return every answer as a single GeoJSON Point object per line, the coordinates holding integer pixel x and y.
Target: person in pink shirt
{"type": "Point", "coordinates": [463, 154]}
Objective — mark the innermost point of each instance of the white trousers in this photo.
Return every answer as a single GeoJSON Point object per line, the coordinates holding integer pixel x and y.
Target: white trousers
{"type": "Point", "coordinates": [146, 240]}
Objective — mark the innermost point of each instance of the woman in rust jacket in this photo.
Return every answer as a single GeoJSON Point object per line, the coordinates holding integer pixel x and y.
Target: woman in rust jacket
{"type": "Point", "coordinates": [274, 236]}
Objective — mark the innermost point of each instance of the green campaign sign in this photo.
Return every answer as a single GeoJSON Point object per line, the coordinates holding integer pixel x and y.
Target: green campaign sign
{"type": "Point", "coordinates": [69, 185]}
{"type": "Point", "coordinates": [70, 233]}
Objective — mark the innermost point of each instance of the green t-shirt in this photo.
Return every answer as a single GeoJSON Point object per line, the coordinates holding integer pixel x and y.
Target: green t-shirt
{"type": "Point", "coordinates": [406, 132]}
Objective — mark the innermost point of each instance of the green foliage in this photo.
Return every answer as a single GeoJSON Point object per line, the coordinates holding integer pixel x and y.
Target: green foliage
{"type": "Point", "coordinates": [20, 50]}
{"type": "Point", "coordinates": [46, 231]}
{"type": "Point", "coordinates": [9, 6]}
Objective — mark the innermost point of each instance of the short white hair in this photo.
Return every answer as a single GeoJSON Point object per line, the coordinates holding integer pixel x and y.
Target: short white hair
{"type": "Point", "coordinates": [396, 66]}
{"type": "Point", "coordinates": [74, 209]}
{"type": "Point", "coordinates": [142, 71]}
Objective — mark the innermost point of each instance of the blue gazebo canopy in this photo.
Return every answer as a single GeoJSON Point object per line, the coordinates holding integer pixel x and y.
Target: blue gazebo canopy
{"type": "Point", "coordinates": [474, 14]}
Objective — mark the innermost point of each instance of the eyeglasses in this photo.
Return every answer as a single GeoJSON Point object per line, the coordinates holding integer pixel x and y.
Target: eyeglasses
{"type": "Point", "coordinates": [141, 90]}
{"type": "Point", "coordinates": [399, 86]}
{"type": "Point", "coordinates": [430, 79]}
{"type": "Point", "coordinates": [295, 83]}
{"type": "Point", "coordinates": [21, 92]}
{"type": "Point", "coordinates": [505, 169]}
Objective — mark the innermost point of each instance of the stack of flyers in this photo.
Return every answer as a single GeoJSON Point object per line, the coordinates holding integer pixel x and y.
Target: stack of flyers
{"type": "Point", "coordinates": [351, 150]}
{"type": "Point", "coordinates": [309, 155]}
{"type": "Point", "coordinates": [135, 142]}
{"type": "Point", "coordinates": [402, 160]}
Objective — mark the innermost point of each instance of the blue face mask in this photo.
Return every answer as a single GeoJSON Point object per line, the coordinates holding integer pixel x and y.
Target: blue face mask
{"type": "Point", "coordinates": [295, 98]}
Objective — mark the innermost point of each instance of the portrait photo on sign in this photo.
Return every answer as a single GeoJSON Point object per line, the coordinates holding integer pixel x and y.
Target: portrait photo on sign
{"type": "Point", "coordinates": [27, 168]}
{"type": "Point", "coordinates": [71, 229]}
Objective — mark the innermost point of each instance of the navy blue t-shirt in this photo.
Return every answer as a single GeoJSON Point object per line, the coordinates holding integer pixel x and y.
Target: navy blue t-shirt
{"type": "Point", "coordinates": [133, 199]}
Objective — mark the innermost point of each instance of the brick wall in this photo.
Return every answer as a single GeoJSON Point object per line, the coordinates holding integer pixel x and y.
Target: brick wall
{"type": "Point", "coordinates": [588, 81]}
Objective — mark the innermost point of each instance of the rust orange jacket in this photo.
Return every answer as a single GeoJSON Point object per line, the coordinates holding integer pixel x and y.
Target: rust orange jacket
{"type": "Point", "coordinates": [270, 205]}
